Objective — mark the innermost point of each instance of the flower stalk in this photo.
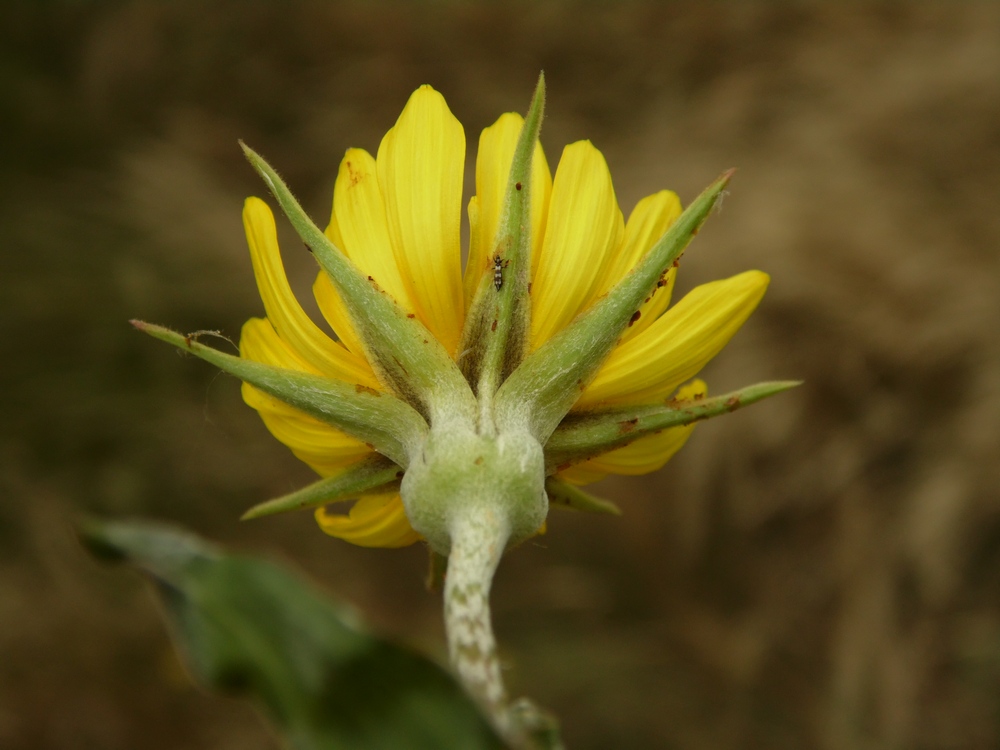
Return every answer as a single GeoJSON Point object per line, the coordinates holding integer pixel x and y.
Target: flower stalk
{"type": "Point", "coordinates": [479, 537]}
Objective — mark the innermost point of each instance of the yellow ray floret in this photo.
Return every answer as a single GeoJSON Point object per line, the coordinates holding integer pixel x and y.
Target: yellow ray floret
{"type": "Point", "coordinates": [651, 217]}
{"type": "Point", "coordinates": [496, 152]}
{"type": "Point", "coordinates": [283, 310]}
{"type": "Point", "coordinates": [583, 229]}
{"type": "Point", "coordinates": [324, 448]}
{"type": "Point", "coordinates": [359, 212]}
{"type": "Point", "coordinates": [420, 166]}
{"type": "Point", "coordinates": [373, 521]}
{"type": "Point", "coordinates": [644, 455]}
{"type": "Point", "coordinates": [648, 367]}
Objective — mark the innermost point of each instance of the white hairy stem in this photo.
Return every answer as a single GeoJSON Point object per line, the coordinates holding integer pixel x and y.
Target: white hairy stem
{"type": "Point", "coordinates": [478, 538]}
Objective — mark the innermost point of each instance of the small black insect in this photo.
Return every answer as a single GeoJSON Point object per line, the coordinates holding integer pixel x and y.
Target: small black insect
{"type": "Point", "coordinates": [498, 265]}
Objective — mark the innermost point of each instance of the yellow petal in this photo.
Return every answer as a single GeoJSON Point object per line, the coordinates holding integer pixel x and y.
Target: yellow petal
{"type": "Point", "coordinates": [476, 263]}
{"type": "Point", "coordinates": [583, 230]}
{"type": "Point", "coordinates": [335, 312]}
{"type": "Point", "coordinates": [674, 348]}
{"type": "Point", "coordinates": [261, 343]}
{"type": "Point", "coordinates": [644, 455]}
{"type": "Point", "coordinates": [497, 144]}
{"type": "Point", "coordinates": [283, 310]}
{"type": "Point", "coordinates": [330, 304]}
{"type": "Point", "coordinates": [581, 473]}
{"type": "Point", "coordinates": [373, 521]}
{"type": "Point", "coordinates": [328, 299]}
{"type": "Point", "coordinates": [420, 166]}
{"type": "Point", "coordinates": [324, 448]}
{"type": "Point", "coordinates": [650, 218]}
{"type": "Point", "coordinates": [360, 215]}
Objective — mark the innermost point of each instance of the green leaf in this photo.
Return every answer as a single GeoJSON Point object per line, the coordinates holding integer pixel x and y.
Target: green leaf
{"type": "Point", "coordinates": [540, 392]}
{"type": "Point", "coordinates": [250, 626]}
{"type": "Point", "coordinates": [390, 426]}
{"type": "Point", "coordinates": [403, 353]}
{"type": "Point", "coordinates": [373, 474]}
{"type": "Point", "coordinates": [497, 325]}
{"type": "Point", "coordinates": [585, 435]}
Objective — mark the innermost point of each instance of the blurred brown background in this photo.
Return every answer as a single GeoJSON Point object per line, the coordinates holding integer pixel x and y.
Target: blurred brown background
{"type": "Point", "coordinates": [819, 571]}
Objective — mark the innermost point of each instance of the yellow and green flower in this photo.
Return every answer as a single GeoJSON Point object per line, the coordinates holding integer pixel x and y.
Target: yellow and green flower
{"type": "Point", "coordinates": [457, 407]}
{"type": "Point", "coordinates": [396, 218]}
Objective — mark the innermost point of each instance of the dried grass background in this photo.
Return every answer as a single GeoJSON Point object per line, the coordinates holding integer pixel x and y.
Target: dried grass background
{"type": "Point", "coordinates": [819, 571]}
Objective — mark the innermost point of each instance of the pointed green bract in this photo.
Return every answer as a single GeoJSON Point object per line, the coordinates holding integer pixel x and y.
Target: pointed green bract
{"type": "Point", "coordinates": [565, 495]}
{"type": "Point", "coordinates": [249, 626]}
{"type": "Point", "coordinates": [404, 354]}
{"type": "Point", "coordinates": [496, 329]}
{"type": "Point", "coordinates": [370, 475]}
{"type": "Point", "coordinates": [390, 426]}
{"type": "Point", "coordinates": [540, 392]}
{"type": "Point", "coordinates": [584, 436]}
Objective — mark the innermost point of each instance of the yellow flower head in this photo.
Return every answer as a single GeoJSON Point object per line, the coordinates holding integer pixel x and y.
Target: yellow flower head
{"type": "Point", "coordinates": [397, 217]}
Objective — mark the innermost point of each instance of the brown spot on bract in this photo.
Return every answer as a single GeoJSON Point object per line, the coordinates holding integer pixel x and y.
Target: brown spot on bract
{"type": "Point", "coordinates": [494, 326]}
{"type": "Point", "coordinates": [635, 316]}
{"type": "Point", "coordinates": [661, 282]}
{"type": "Point", "coordinates": [517, 186]}
{"type": "Point", "coordinates": [370, 278]}
{"type": "Point", "coordinates": [628, 425]}
{"type": "Point", "coordinates": [359, 388]}
{"type": "Point", "coordinates": [731, 403]}
{"type": "Point", "coordinates": [529, 287]}
{"type": "Point", "coordinates": [426, 341]}
{"type": "Point", "coordinates": [479, 461]}
{"type": "Point", "coordinates": [410, 315]}
{"type": "Point", "coordinates": [399, 474]}
{"type": "Point", "coordinates": [677, 262]}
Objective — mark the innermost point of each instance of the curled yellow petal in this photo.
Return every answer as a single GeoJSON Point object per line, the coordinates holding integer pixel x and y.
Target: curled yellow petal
{"type": "Point", "coordinates": [493, 161]}
{"type": "Point", "coordinates": [373, 521]}
{"type": "Point", "coordinates": [675, 347]}
{"type": "Point", "coordinates": [644, 455]}
{"type": "Point", "coordinates": [286, 315]}
{"type": "Point", "coordinates": [420, 165]}
{"type": "Point", "coordinates": [582, 233]}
